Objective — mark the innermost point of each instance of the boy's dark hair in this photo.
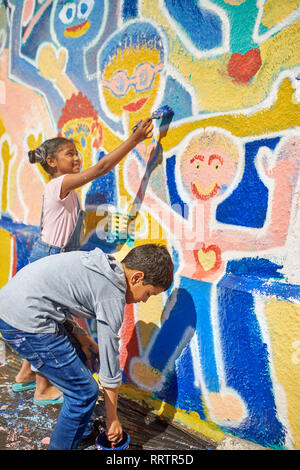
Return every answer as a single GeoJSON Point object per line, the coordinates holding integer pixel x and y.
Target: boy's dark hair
{"type": "Point", "coordinates": [154, 261]}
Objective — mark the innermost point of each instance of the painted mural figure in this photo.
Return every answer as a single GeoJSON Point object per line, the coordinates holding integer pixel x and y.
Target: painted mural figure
{"type": "Point", "coordinates": [131, 70]}
{"type": "Point", "coordinates": [209, 166]}
{"type": "Point", "coordinates": [245, 60]}
{"type": "Point", "coordinates": [24, 69]}
{"type": "Point", "coordinates": [131, 79]}
{"type": "Point", "coordinates": [203, 28]}
{"type": "Point", "coordinates": [58, 70]}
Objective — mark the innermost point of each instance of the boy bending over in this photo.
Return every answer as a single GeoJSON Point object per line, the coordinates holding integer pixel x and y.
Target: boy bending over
{"type": "Point", "coordinates": [35, 306]}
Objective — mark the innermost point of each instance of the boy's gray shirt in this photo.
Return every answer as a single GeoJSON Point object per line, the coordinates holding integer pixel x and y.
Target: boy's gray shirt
{"type": "Point", "coordinates": [86, 284]}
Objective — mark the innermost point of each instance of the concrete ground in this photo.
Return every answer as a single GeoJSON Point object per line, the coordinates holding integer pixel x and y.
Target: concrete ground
{"type": "Point", "coordinates": [26, 426]}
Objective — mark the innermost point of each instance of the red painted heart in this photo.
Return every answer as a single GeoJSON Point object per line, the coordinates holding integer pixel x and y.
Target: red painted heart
{"type": "Point", "coordinates": [242, 67]}
{"type": "Point", "coordinates": [208, 258]}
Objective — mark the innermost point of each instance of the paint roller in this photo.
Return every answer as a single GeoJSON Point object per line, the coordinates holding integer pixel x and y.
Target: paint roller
{"type": "Point", "coordinates": [162, 112]}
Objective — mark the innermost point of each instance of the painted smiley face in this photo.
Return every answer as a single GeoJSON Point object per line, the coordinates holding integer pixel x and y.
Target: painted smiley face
{"type": "Point", "coordinates": [131, 81]}
{"type": "Point", "coordinates": [206, 189]}
{"type": "Point", "coordinates": [77, 20]}
{"type": "Point", "coordinates": [206, 171]}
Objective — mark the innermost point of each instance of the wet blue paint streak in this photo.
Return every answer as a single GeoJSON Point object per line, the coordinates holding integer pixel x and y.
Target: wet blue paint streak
{"type": "Point", "coordinates": [178, 98]}
{"type": "Point", "coordinates": [261, 276]}
{"type": "Point", "coordinates": [176, 202]}
{"type": "Point", "coordinates": [253, 266]}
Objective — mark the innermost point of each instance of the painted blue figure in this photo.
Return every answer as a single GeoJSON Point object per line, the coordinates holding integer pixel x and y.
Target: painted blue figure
{"type": "Point", "coordinates": [76, 26]}
{"type": "Point", "coordinates": [65, 62]}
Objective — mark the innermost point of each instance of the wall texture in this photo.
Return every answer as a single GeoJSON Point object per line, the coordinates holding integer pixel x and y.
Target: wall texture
{"type": "Point", "coordinates": [219, 352]}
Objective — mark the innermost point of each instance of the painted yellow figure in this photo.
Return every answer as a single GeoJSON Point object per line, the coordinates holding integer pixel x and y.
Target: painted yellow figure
{"type": "Point", "coordinates": [130, 83]}
{"type": "Point", "coordinates": [132, 78]}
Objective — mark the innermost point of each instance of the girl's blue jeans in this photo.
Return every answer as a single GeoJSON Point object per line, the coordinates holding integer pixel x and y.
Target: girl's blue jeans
{"type": "Point", "coordinates": [56, 358]}
{"type": "Point", "coordinates": [41, 249]}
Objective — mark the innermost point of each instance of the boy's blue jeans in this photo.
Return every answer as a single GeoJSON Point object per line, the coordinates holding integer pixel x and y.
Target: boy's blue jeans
{"type": "Point", "coordinates": [56, 358]}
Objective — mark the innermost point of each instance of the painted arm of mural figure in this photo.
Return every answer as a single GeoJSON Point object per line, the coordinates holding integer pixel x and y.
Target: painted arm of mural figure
{"type": "Point", "coordinates": [52, 64]}
{"type": "Point", "coordinates": [283, 176]}
{"type": "Point", "coordinates": [23, 69]}
{"type": "Point", "coordinates": [136, 185]}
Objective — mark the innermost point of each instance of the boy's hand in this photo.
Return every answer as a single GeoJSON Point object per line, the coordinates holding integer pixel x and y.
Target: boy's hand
{"type": "Point", "coordinates": [144, 131]}
{"type": "Point", "coordinates": [91, 351]}
{"type": "Point", "coordinates": [114, 431]}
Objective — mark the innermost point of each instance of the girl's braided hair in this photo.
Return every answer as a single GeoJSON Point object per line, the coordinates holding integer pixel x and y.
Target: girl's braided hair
{"type": "Point", "coordinates": [48, 148]}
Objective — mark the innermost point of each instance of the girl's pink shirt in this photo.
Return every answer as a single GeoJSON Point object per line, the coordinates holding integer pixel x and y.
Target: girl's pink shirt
{"type": "Point", "coordinates": [59, 215]}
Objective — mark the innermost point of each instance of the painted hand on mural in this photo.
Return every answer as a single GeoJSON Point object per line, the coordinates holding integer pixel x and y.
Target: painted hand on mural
{"type": "Point", "coordinates": [145, 374]}
{"type": "Point", "coordinates": [227, 407]}
{"type": "Point", "coordinates": [279, 170]}
{"type": "Point", "coordinates": [286, 163]}
{"type": "Point", "coordinates": [51, 62]}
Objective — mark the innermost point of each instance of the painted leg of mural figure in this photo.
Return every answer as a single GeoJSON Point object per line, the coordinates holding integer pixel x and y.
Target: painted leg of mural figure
{"type": "Point", "coordinates": [223, 402]}
{"type": "Point", "coordinates": [177, 330]}
{"type": "Point", "coordinates": [190, 313]}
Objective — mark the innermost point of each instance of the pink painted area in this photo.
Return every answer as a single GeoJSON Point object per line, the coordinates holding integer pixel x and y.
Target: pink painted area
{"type": "Point", "coordinates": [203, 244]}
{"type": "Point", "coordinates": [28, 11]}
{"type": "Point", "coordinates": [25, 113]}
{"type": "Point", "coordinates": [35, 19]}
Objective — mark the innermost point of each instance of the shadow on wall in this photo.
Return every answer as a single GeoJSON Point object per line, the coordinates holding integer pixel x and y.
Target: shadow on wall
{"type": "Point", "coordinates": [154, 368]}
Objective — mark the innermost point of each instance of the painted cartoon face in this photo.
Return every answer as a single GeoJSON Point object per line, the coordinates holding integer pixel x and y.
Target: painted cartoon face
{"type": "Point", "coordinates": [77, 20]}
{"type": "Point", "coordinates": [130, 82]}
{"type": "Point", "coordinates": [84, 133]}
{"type": "Point", "coordinates": [207, 170]}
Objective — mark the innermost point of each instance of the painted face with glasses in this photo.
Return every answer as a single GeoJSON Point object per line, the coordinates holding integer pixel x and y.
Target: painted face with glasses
{"type": "Point", "coordinates": [142, 79]}
{"type": "Point", "coordinates": [131, 81]}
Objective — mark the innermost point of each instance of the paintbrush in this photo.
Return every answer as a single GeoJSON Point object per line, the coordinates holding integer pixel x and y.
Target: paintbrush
{"type": "Point", "coordinates": [163, 111]}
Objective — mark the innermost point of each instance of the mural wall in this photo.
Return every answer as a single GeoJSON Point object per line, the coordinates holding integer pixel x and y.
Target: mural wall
{"type": "Point", "coordinates": [218, 184]}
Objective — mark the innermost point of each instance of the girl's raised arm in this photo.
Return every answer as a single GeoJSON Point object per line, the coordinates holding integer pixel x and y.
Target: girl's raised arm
{"type": "Point", "coordinates": [108, 162]}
